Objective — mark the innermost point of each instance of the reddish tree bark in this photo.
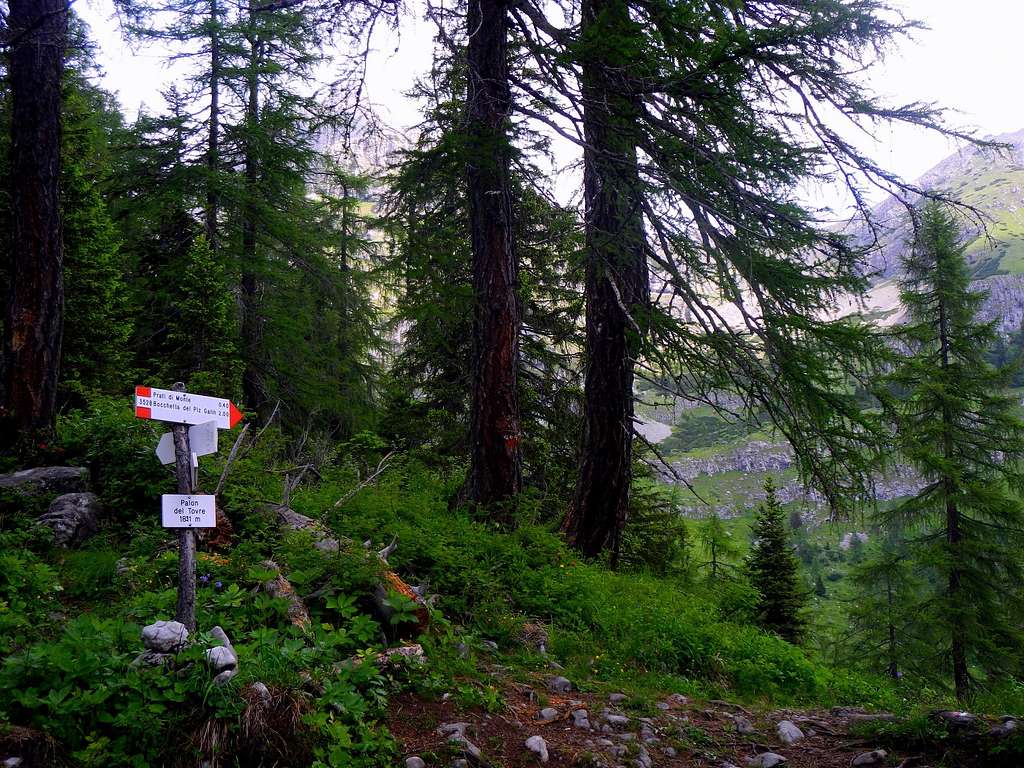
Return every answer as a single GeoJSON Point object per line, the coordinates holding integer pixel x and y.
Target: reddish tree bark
{"type": "Point", "coordinates": [495, 470]}
{"type": "Point", "coordinates": [616, 285]}
{"type": "Point", "coordinates": [33, 328]}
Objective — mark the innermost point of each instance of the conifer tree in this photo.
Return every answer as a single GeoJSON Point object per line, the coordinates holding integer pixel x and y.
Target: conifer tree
{"type": "Point", "coordinates": [36, 32]}
{"type": "Point", "coordinates": [957, 427]}
{"type": "Point", "coordinates": [774, 571]}
{"type": "Point", "coordinates": [884, 633]}
{"type": "Point", "coordinates": [719, 547]}
{"type": "Point", "coordinates": [682, 111]}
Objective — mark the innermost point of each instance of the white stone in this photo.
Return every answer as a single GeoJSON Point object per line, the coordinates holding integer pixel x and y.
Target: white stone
{"type": "Point", "coordinates": [766, 760]}
{"type": "Point", "coordinates": [221, 657]}
{"type": "Point", "coordinates": [164, 636]}
{"type": "Point", "coordinates": [788, 732]}
{"type": "Point", "coordinates": [415, 762]}
{"type": "Point", "coordinates": [875, 757]}
{"type": "Point", "coordinates": [537, 745]}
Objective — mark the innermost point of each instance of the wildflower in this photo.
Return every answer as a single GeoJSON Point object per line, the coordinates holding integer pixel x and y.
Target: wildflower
{"type": "Point", "coordinates": [218, 584]}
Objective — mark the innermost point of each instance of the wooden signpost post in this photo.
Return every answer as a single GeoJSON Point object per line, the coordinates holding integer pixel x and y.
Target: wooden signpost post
{"type": "Point", "coordinates": [186, 510]}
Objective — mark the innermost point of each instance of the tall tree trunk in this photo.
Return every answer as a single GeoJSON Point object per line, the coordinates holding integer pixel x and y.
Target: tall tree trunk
{"type": "Point", "coordinates": [213, 138]}
{"type": "Point", "coordinates": [34, 325]}
{"type": "Point", "coordinates": [252, 389]}
{"type": "Point", "coordinates": [894, 667]}
{"type": "Point", "coordinates": [495, 471]}
{"type": "Point", "coordinates": [954, 535]}
{"type": "Point", "coordinates": [616, 284]}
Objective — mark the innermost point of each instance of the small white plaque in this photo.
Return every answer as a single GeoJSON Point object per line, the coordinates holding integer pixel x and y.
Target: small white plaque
{"type": "Point", "coordinates": [179, 510]}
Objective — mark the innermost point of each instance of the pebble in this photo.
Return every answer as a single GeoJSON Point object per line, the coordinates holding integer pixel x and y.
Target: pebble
{"type": "Point", "coordinates": [537, 745]}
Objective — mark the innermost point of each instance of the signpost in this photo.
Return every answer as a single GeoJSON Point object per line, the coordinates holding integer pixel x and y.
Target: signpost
{"type": "Point", "coordinates": [186, 510]}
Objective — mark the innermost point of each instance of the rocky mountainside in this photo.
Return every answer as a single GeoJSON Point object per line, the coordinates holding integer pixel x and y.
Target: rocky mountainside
{"type": "Point", "coordinates": [993, 182]}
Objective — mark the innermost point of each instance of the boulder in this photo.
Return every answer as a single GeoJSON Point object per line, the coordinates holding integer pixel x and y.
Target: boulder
{"type": "Point", "coordinates": [958, 720]}
{"type": "Point", "coordinates": [415, 762]}
{"type": "Point", "coordinates": [538, 746]}
{"type": "Point", "coordinates": [164, 636]}
{"type": "Point", "coordinates": [73, 518]}
{"type": "Point", "coordinates": [788, 732]}
{"type": "Point", "coordinates": [875, 757]}
{"type": "Point", "coordinates": [1004, 729]}
{"type": "Point", "coordinates": [46, 480]}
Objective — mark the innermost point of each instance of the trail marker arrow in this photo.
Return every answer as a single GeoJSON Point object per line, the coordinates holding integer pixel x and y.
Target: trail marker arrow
{"type": "Point", "coordinates": [202, 439]}
{"type": "Point", "coordinates": [185, 407]}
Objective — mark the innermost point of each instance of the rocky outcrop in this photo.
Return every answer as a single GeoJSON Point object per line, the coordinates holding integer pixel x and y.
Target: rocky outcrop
{"type": "Point", "coordinates": [46, 480]}
{"type": "Point", "coordinates": [73, 518]}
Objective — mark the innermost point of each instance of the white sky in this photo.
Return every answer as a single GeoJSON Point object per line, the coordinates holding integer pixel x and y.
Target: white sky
{"type": "Point", "coordinates": [968, 61]}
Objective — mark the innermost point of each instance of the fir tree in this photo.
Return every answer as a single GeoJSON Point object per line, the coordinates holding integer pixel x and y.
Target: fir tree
{"type": "Point", "coordinates": [774, 571]}
{"type": "Point", "coordinates": [955, 425]}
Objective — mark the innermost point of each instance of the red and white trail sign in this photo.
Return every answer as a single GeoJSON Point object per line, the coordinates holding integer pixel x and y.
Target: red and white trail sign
{"type": "Point", "coordinates": [185, 408]}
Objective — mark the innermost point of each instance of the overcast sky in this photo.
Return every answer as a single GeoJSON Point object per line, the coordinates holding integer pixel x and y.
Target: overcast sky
{"type": "Point", "coordinates": [969, 61]}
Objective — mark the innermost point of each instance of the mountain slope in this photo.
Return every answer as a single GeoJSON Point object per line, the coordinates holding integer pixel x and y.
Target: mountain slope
{"type": "Point", "coordinates": [992, 182]}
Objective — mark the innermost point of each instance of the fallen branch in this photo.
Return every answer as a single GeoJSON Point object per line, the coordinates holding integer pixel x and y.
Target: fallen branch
{"type": "Point", "coordinates": [369, 480]}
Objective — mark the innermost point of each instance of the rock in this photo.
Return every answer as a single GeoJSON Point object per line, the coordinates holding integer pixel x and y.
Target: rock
{"type": "Point", "coordinates": [460, 763]}
{"type": "Point", "coordinates": [1004, 729]}
{"type": "Point", "coordinates": [743, 726]}
{"type": "Point", "coordinates": [581, 718]}
{"type": "Point", "coordinates": [677, 700]}
{"type": "Point", "coordinates": [875, 757]}
{"type": "Point", "coordinates": [164, 636]}
{"type": "Point", "coordinates": [559, 685]}
{"type": "Point", "coordinates": [262, 692]}
{"type": "Point", "coordinates": [537, 745]}
{"type": "Point", "coordinates": [220, 658]}
{"type": "Point", "coordinates": [552, 664]}
{"type": "Point", "coordinates": [766, 760]}
{"type": "Point", "coordinates": [548, 714]}
{"type": "Point", "coordinates": [73, 518]}
{"type": "Point", "coordinates": [606, 742]}
{"type": "Point", "coordinates": [872, 717]}
{"type": "Point", "coordinates": [12, 762]}
{"type": "Point", "coordinates": [47, 480]}
{"type": "Point", "coordinates": [669, 751]}
{"type": "Point", "coordinates": [490, 645]}
{"type": "Point", "coordinates": [152, 659]}
{"type": "Point", "coordinates": [463, 650]}
{"type": "Point", "coordinates": [663, 706]}
{"type": "Point", "coordinates": [458, 729]}
{"type": "Point", "coordinates": [617, 698]}
{"type": "Point", "coordinates": [615, 721]}
{"type": "Point", "coordinates": [643, 758]}
{"type": "Point", "coordinates": [415, 762]}
{"type": "Point", "coordinates": [788, 732]}
{"type": "Point", "coordinates": [958, 720]}
{"type": "Point", "coordinates": [224, 676]}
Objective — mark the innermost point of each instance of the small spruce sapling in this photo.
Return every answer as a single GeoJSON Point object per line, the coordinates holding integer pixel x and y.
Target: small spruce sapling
{"type": "Point", "coordinates": [773, 571]}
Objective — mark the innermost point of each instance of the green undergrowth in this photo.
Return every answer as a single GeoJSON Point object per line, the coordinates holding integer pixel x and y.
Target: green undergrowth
{"type": "Point", "coordinates": [70, 620]}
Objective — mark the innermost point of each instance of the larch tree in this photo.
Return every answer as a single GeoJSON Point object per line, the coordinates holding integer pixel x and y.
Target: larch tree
{"type": "Point", "coordinates": [495, 455]}
{"type": "Point", "coordinates": [725, 110]}
{"type": "Point", "coordinates": [34, 323]}
{"type": "Point", "coordinates": [617, 281]}
{"type": "Point", "coordinates": [956, 425]}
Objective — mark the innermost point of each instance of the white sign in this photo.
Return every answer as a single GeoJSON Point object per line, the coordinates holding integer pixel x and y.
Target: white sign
{"type": "Point", "coordinates": [202, 439]}
{"type": "Point", "coordinates": [179, 510]}
{"type": "Point", "coordinates": [185, 408]}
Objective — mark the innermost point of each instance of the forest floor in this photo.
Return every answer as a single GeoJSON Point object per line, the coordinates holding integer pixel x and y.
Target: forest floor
{"type": "Point", "coordinates": [676, 731]}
